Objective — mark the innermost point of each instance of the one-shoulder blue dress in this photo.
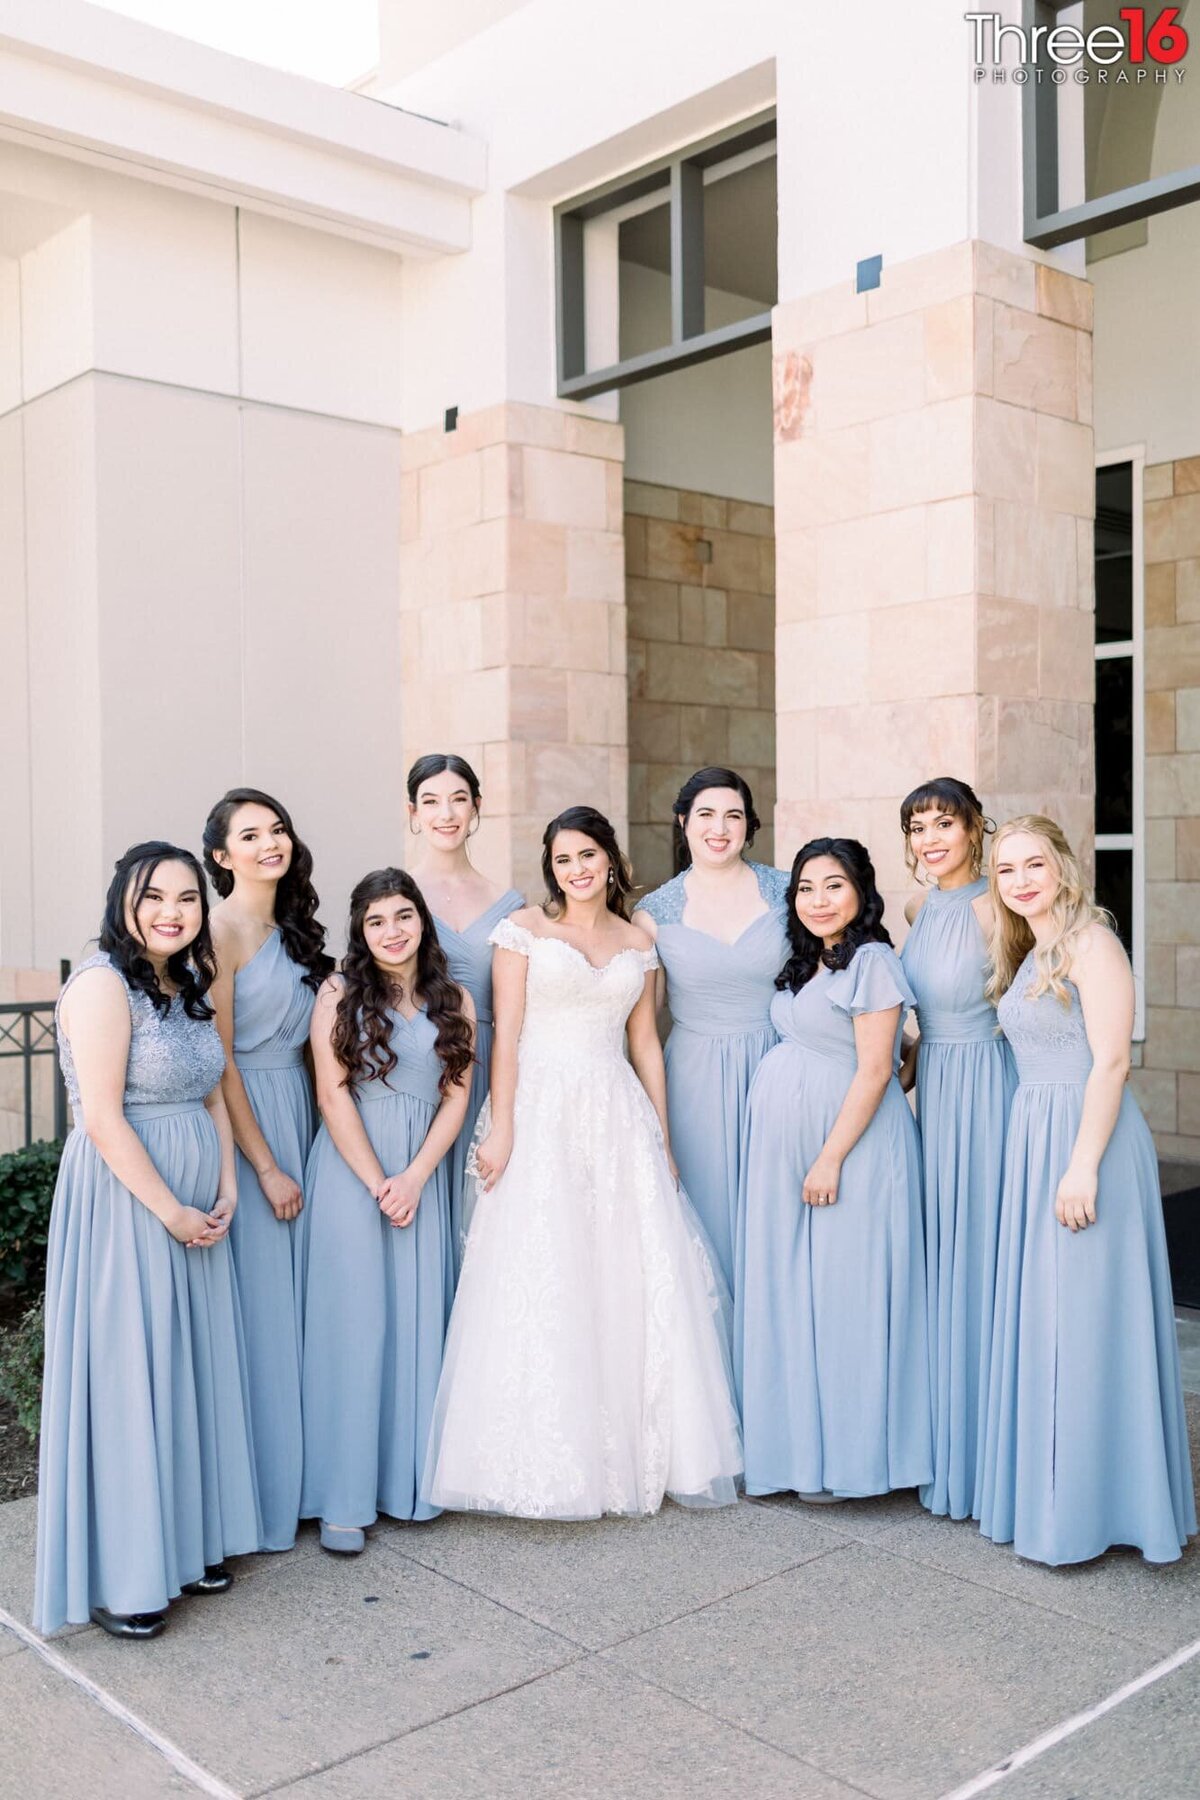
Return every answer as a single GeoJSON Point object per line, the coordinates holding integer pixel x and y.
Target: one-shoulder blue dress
{"type": "Point", "coordinates": [469, 955]}
{"type": "Point", "coordinates": [272, 1007]}
{"type": "Point", "coordinates": [965, 1082]}
{"type": "Point", "coordinates": [376, 1301]}
{"type": "Point", "coordinates": [146, 1473]}
{"type": "Point", "coordinates": [720, 999]}
{"type": "Point", "coordinates": [830, 1342]}
{"type": "Point", "coordinates": [1085, 1442]}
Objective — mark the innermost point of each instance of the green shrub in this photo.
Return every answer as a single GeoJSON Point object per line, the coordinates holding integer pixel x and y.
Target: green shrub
{"type": "Point", "coordinates": [26, 1190]}
{"type": "Point", "coordinates": [21, 1368]}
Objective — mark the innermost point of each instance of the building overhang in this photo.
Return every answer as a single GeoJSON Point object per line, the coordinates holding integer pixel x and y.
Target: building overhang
{"type": "Point", "coordinates": [93, 86]}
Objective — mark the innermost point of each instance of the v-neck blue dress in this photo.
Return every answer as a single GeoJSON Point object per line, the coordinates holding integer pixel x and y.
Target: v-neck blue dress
{"type": "Point", "coordinates": [376, 1301]}
{"type": "Point", "coordinates": [469, 955]}
{"type": "Point", "coordinates": [720, 1000]}
{"type": "Point", "coordinates": [965, 1083]}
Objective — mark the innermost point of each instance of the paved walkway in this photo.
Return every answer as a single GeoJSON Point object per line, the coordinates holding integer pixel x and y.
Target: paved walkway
{"type": "Point", "coordinates": [775, 1648]}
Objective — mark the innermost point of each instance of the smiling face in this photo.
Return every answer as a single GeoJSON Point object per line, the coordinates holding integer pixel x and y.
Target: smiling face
{"type": "Point", "coordinates": [579, 865]}
{"type": "Point", "coordinates": [444, 810]}
{"type": "Point", "coordinates": [942, 845]}
{"type": "Point", "coordinates": [826, 899]}
{"type": "Point", "coordinates": [715, 828]}
{"type": "Point", "coordinates": [258, 846]}
{"type": "Point", "coordinates": [1027, 879]}
{"type": "Point", "coordinates": [169, 914]}
{"type": "Point", "coordinates": [392, 931]}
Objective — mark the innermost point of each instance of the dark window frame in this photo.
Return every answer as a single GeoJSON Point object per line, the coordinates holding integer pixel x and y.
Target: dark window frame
{"type": "Point", "coordinates": [680, 180]}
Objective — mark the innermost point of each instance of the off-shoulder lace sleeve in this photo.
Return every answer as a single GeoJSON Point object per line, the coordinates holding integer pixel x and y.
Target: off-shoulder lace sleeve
{"type": "Point", "coordinates": [772, 883]}
{"type": "Point", "coordinates": [508, 935]}
{"type": "Point", "coordinates": [649, 959]}
{"type": "Point", "coordinates": [665, 905]}
{"type": "Point", "coordinates": [874, 982]}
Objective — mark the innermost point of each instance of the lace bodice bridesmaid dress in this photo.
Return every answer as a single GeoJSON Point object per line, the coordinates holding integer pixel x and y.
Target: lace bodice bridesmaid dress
{"type": "Point", "coordinates": [587, 1366]}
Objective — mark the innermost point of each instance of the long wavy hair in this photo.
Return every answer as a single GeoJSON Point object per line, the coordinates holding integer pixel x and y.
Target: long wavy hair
{"type": "Point", "coordinates": [296, 899]}
{"type": "Point", "coordinates": [686, 798]}
{"type": "Point", "coordinates": [1072, 910]}
{"type": "Point", "coordinates": [949, 795]}
{"type": "Point", "coordinates": [193, 967]}
{"type": "Point", "coordinates": [807, 951]}
{"type": "Point", "coordinates": [362, 1028]}
{"type": "Point", "coordinates": [592, 824]}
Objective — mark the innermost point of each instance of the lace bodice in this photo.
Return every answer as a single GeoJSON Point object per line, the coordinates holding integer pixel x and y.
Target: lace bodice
{"type": "Point", "coordinates": [1048, 1039]}
{"type": "Point", "coordinates": [665, 905]}
{"type": "Point", "coordinates": [571, 1006]}
{"type": "Point", "coordinates": [172, 1059]}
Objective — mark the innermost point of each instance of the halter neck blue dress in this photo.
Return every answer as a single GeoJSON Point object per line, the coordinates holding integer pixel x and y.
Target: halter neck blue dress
{"type": "Point", "coordinates": [965, 1082]}
{"type": "Point", "coordinates": [469, 954]}
{"type": "Point", "coordinates": [146, 1472]}
{"type": "Point", "coordinates": [272, 1007]}
{"type": "Point", "coordinates": [720, 1000]}
{"type": "Point", "coordinates": [1085, 1442]}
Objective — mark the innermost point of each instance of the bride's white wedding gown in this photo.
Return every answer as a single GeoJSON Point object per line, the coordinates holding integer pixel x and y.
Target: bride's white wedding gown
{"type": "Point", "coordinates": [587, 1363]}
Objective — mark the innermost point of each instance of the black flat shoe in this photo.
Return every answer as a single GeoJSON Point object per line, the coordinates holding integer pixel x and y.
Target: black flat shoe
{"type": "Point", "coordinates": [216, 1579]}
{"type": "Point", "coordinates": [129, 1625]}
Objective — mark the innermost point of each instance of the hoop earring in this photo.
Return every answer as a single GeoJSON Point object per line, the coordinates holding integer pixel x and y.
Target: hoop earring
{"type": "Point", "coordinates": [414, 830]}
{"type": "Point", "coordinates": [472, 829]}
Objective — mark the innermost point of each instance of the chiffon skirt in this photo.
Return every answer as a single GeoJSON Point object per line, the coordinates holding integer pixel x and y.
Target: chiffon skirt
{"type": "Point", "coordinates": [147, 1461]}
{"type": "Point", "coordinates": [1086, 1442]}
{"type": "Point", "coordinates": [708, 1082]}
{"type": "Point", "coordinates": [833, 1359]}
{"type": "Point", "coordinates": [263, 1251]}
{"type": "Point", "coordinates": [964, 1091]}
{"type": "Point", "coordinates": [376, 1298]}
{"type": "Point", "coordinates": [462, 1185]}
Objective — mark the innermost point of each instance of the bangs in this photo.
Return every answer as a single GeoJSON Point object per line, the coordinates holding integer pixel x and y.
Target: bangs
{"type": "Point", "coordinates": [944, 795]}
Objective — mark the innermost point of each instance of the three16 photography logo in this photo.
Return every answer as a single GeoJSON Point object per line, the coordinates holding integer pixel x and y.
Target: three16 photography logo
{"type": "Point", "coordinates": [1147, 45]}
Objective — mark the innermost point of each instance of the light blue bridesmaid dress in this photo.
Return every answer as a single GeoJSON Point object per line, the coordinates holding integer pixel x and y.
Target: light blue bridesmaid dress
{"type": "Point", "coordinates": [965, 1083]}
{"type": "Point", "coordinates": [830, 1343]}
{"type": "Point", "coordinates": [720, 999]}
{"type": "Point", "coordinates": [147, 1465]}
{"type": "Point", "coordinates": [1085, 1442]}
{"type": "Point", "coordinates": [271, 1012]}
{"type": "Point", "coordinates": [469, 955]}
{"type": "Point", "coordinates": [376, 1301]}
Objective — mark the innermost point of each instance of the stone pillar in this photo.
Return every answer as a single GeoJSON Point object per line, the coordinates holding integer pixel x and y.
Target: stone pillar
{"type": "Point", "coordinates": [512, 585]}
{"type": "Point", "coordinates": [934, 494]}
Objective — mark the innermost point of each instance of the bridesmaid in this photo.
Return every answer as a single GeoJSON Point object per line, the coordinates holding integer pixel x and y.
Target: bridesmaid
{"type": "Point", "coordinates": [1085, 1442]}
{"type": "Point", "coordinates": [392, 1045]}
{"type": "Point", "coordinates": [965, 1079]}
{"type": "Point", "coordinates": [721, 933]}
{"type": "Point", "coordinates": [443, 811]}
{"type": "Point", "coordinates": [271, 959]}
{"type": "Point", "coordinates": [830, 1299]}
{"type": "Point", "coordinates": [146, 1479]}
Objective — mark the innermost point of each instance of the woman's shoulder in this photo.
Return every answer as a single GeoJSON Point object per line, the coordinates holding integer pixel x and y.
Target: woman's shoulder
{"type": "Point", "coordinates": [634, 938]}
{"type": "Point", "coordinates": [664, 904]}
{"type": "Point", "coordinates": [1097, 947]}
{"type": "Point", "coordinates": [913, 905]}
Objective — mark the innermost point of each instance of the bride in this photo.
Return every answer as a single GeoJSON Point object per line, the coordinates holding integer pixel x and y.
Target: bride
{"type": "Point", "coordinates": [587, 1363]}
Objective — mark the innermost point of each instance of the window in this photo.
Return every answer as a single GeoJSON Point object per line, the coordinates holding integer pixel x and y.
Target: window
{"type": "Point", "coordinates": [1120, 757]}
{"type": "Point", "coordinates": [668, 265]}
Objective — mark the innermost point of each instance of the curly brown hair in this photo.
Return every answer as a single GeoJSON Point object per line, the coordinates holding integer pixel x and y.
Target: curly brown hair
{"type": "Point", "coordinates": [362, 1030]}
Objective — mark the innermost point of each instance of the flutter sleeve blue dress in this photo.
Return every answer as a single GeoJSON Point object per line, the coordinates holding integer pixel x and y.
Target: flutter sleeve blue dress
{"type": "Point", "coordinates": [376, 1301]}
{"type": "Point", "coordinates": [830, 1342]}
{"type": "Point", "coordinates": [720, 1000]}
{"type": "Point", "coordinates": [1085, 1442]}
{"type": "Point", "coordinates": [965, 1082]}
{"type": "Point", "coordinates": [272, 1007]}
{"type": "Point", "coordinates": [469, 954]}
{"type": "Point", "coordinates": [146, 1472]}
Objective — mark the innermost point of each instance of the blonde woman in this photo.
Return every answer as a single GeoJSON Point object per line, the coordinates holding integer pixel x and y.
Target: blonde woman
{"type": "Point", "coordinates": [1085, 1443]}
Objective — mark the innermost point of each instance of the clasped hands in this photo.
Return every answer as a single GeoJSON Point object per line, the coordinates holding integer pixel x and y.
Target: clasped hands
{"type": "Point", "coordinates": [399, 1196]}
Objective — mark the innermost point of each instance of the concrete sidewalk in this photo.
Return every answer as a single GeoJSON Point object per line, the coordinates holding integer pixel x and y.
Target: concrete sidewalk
{"type": "Point", "coordinates": [818, 1653]}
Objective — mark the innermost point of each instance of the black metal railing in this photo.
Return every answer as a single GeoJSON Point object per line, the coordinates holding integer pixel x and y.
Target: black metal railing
{"type": "Point", "coordinates": [27, 1031]}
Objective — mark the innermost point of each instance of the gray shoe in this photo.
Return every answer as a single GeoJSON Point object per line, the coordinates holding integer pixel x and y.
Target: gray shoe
{"type": "Point", "coordinates": [343, 1540]}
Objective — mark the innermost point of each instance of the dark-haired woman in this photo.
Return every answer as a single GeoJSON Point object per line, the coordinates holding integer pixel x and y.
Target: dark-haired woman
{"type": "Point", "coordinates": [392, 1045]}
{"type": "Point", "coordinates": [271, 959]}
{"type": "Point", "coordinates": [831, 1338]}
{"type": "Point", "coordinates": [720, 930]}
{"type": "Point", "coordinates": [587, 1367]}
{"type": "Point", "coordinates": [146, 1479]}
{"type": "Point", "coordinates": [965, 1080]}
{"type": "Point", "coordinates": [444, 800]}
